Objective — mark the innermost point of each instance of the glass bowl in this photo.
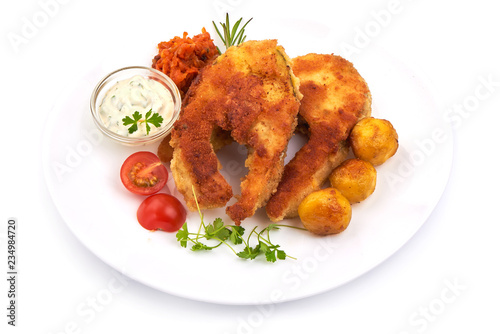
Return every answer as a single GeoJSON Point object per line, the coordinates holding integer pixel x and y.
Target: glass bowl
{"type": "Point", "coordinates": [126, 73]}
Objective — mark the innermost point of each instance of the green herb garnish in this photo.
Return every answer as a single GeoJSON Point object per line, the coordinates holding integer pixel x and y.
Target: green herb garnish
{"type": "Point", "coordinates": [154, 119]}
{"type": "Point", "coordinates": [231, 36]}
{"type": "Point", "coordinates": [232, 234]}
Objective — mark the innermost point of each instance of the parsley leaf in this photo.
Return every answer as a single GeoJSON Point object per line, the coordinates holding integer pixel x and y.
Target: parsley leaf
{"type": "Point", "coordinates": [155, 119]}
{"type": "Point", "coordinates": [217, 230]}
{"type": "Point", "coordinates": [270, 256]}
{"type": "Point", "coordinates": [226, 234]}
{"type": "Point", "coordinates": [236, 234]}
{"type": "Point", "coordinates": [250, 252]}
{"type": "Point", "coordinates": [201, 246]}
{"type": "Point", "coordinates": [281, 254]}
{"type": "Point", "coordinates": [183, 235]}
{"type": "Point", "coordinates": [127, 121]}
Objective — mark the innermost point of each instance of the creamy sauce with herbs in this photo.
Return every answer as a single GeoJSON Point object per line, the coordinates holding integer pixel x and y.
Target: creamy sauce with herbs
{"type": "Point", "coordinates": [135, 94]}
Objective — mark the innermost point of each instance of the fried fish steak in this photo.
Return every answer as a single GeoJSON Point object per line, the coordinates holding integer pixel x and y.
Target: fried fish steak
{"type": "Point", "coordinates": [250, 92]}
{"type": "Point", "coordinates": [335, 97]}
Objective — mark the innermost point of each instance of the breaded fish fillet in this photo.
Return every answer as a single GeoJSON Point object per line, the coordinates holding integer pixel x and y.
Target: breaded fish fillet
{"type": "Point", "coordinates": [250, 91]}
{"type": "Point", "coordinates": [335, 97]}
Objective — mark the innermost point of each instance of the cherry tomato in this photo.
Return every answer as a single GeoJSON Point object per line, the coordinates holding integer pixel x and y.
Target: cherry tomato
{"type": "Point", "coordinates": [161, 212]}
{"type": "Point", "coordinates": [143, 173]}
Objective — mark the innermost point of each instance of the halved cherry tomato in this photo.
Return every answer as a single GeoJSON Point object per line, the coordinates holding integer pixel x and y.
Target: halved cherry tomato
{"type": "Point", "coordinates": [143, 173]}
{"type": "Point", "coordinates": [161, 212]}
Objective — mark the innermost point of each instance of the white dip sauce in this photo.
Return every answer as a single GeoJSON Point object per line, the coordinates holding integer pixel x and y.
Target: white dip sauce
{"type": "Point", "coordinates": [135, 94]}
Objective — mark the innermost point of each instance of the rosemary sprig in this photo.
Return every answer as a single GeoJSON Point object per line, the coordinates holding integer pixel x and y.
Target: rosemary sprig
{"type": "Point", "coordinates": [230, 36]}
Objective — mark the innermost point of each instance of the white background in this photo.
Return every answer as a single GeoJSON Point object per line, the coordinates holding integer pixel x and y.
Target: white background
{"type": "Point", "coordinates": [64, 288]}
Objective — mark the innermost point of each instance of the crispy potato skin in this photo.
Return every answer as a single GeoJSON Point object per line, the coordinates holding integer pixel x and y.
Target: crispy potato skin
{"type": "Point", "coordinates": [355, 179]}
{"type": "Point", "coordinates": [325, 212]}
{"type": "Point", "coordinates": [250, 93]}
{"type": "Point", "coordinates": [335, 97]}
{"type": "Point", "coordinates": [374, 140]}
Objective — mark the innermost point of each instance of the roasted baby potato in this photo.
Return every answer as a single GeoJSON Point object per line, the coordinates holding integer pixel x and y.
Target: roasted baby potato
{"type": "Point", "coordinates": [355, 179]}
{"type": "Point", "coordinates": [325, 211]}
{"type": "Point", "coordinates": [374, 140]}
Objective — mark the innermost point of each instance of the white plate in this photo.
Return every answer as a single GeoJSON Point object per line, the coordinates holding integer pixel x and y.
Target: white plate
{"type": "Point", "coordinates": [82, 174]}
